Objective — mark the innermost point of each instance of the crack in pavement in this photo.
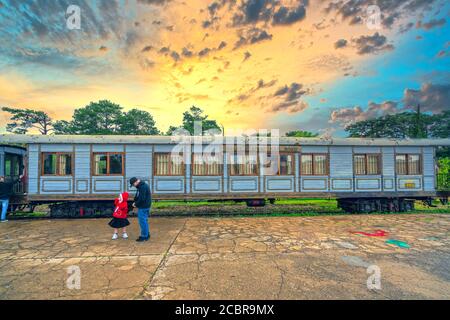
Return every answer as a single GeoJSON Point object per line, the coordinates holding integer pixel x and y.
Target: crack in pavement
{"type": "Point", "coordinates": [161, 263]}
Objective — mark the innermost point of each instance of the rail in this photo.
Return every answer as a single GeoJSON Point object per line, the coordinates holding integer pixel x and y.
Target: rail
{"type": "Point", "coordinates": [443, 182]}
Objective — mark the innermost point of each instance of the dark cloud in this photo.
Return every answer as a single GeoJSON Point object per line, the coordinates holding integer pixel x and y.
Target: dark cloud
{"type": "Point", "coordinates": [187, 53]}
{"type": "Point", "coordinates": [286, 16]}
{"type": "Point", "coordinates": [434, 98]}
{"type": "Point", "coordinates": [222, 45]}
{"type": "Point", "coordinates": [254, 11]}
{"type": "Point", "coordinates": [164, 50]}
{"type": "Point", "coordinates": [206, 24]}
{"type": "Point", "coordinates": [289, 107]}
{"type": "Point", "coordinates": [213, 9]}
{"type": "Point", "coordinates": [250, 92]}
{"type": "Point", "coordinates": [372, 44]}
{"type": "Point", "coordinates": [147, 48]}
{"type": "Point", "coordinates": [262, 84]}
{"type": "Point", "coordinates": [434, 23]}
{"type": "Point", "coordinates": [292, 92]}
{"type": "Point", "coordinates": [175, 56]}
{"type": "Point", "coordinates": [252, 36]}
{"type": "Point", "coordinates": [431, 97]}
{"type": "Point", "coordinates": [355, 11]}
{"type": "Point", "coordinates": [291, 99]}
{"type": "Point", "coordinates": [405, 27]}
{"type": "Point", "coordinates": [346, 116]}
{"type": "Point", "coordinates": [341, 43]}
{"type": "Point", "coordinates": [204, 52]}
{"type": "Point", "coordinates": [247, 56]}
{"type": "Point", "coordinates": [442, 54]}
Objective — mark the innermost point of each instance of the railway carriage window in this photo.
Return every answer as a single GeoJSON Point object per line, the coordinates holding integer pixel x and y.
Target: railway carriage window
{"type": "Point", "coordinates": [360, 164]}
{"type": "Point", "coordinates": [57, 164]}
{"type": "Point", "coordinates": [108, 164]}
{"type": "Point", "coordinates": [244, 165]}
{"type": "Point", "coordinates": [207, 165]}
{"type": "Point", "coordinates": [408, 164]}
{"type": "Point", "coordinates": [320, 165]}
{"type": "Point", "coordinates": [367, 164]}
{"type": "Point", "coordinates": [115, 164]}
{"type": "Point", "coordinates": [65, 164]}
{"type": "Point", "coordinates": [414, 164]}
{"type": "Point", "coordinates": [307, 164]}
{"type": "Point", "coordinates": [167, 164]}
{"type": "Point", "coordinates": [101, 164]}
{"type": "Point", "coordinates": [177, 165]}
{"type": "Point", "coordinates": [314, 164]}
{"type": "Point", "coordinates": [373, 164]}
{"type": "Point", "coordinates": [284, 164]}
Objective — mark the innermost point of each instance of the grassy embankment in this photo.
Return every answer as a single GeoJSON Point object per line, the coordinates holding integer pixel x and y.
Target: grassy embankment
{"type": "Point", "coordinates": [282, 207]}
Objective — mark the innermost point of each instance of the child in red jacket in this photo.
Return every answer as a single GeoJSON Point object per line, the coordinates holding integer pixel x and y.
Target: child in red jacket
{"type": "Point", "coordinates": [120, 214]}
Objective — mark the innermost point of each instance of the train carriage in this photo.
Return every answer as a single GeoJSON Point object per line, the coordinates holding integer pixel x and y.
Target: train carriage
{"type": "Point", "coordinates": [81, 174]}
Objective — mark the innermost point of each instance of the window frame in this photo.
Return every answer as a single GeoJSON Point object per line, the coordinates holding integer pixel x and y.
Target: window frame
{"type": "Point", "coordinates": [169, 168]}
{"type": "Point", "coordinates": [108, 155]}
{"type": "Point", "coordinates": [221, 166]}
{"type": "Point", "coordinates": [408, 155]}
{"type": "Point", "coordinates": [258, 171]}
{"type": "Point", "coordinates": [327, 164]}
{"type": "Point", "coordinates": [278, 174]}
{"type": "Point", "coordinates": [58, 154]}
{"type": "Point", "coordinates": [366, 164]}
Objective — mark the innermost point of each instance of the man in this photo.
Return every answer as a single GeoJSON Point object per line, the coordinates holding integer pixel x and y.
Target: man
{"type": "Point", "coordinates": [143, 202]}
{"type": "Point", "coordinates": [6, 190]}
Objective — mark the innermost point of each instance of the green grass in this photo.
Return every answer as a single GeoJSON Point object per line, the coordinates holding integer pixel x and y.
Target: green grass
{"type": "Point", "coordinates": [282, 207]}
{"type": "Point", "coordinates": [167, 204]}
{"type": "Point", "coordinates": [35, 214]}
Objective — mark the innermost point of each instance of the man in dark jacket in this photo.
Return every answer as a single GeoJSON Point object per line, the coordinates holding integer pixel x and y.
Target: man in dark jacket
{"type": "Point", "coordinates": [6, 190]}
{"type": "Point", "coordinates": [143, 202]}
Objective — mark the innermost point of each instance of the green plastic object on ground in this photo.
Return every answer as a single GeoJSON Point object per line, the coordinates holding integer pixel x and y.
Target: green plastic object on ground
{"type": "Point", "coordinates": [398, 243]}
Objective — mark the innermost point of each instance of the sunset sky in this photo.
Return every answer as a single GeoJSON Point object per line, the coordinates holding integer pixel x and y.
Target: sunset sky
{"type": "Point", "coordinates": [286, 64]}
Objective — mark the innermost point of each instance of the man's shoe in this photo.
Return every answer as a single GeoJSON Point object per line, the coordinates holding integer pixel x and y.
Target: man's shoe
{"type": "Point", "coordinates": [4, 220]}
{"type": "Point", "coordinates": [142, 239]}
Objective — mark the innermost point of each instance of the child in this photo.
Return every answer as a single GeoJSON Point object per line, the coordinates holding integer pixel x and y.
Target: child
{"type": "Point", "coordinates": [119, 219]}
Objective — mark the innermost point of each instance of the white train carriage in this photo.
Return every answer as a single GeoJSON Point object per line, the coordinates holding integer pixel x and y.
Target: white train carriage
{"type": "Point", "coordinates": [80, 173]}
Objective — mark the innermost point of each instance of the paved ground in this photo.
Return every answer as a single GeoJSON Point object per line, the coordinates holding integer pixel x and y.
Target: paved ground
{"type": "Point", "coordinates": [228, 258]}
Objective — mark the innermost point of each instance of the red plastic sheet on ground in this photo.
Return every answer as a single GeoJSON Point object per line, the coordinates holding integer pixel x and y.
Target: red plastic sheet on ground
{"type": "Point", "coordinates": [377, 233]}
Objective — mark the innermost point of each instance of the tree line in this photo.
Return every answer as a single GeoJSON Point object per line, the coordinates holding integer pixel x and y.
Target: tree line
{"type": "Point", "coordinates": [102, 118]}
{"type": "Point", "coordinates": [107, 118]}
{"type": "Point", "coordinates": [405, 125]}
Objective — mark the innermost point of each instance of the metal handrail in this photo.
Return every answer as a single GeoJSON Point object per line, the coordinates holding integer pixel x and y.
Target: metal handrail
{"type": "Point", "coordinates": [18, 187]}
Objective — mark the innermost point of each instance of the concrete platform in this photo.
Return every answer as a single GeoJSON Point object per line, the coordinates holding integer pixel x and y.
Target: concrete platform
{"type": "Point", "coordinates": [228, 258]}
